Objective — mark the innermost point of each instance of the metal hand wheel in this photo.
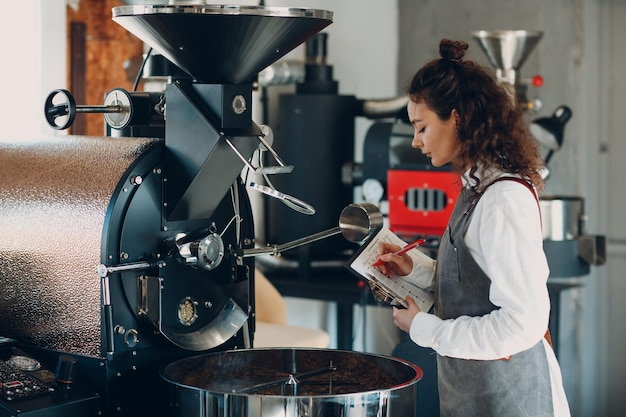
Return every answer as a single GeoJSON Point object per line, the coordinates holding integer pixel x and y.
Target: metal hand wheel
{"type": "Point", "coordinates": [117, 108]}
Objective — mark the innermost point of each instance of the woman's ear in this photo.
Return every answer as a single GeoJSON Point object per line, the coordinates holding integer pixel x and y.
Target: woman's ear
{"type": "Point", "coordinates": [456, 118]}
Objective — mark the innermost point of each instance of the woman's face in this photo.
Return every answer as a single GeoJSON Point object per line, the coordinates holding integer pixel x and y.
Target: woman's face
{"type": "Point", "coordinates": [436, 138]}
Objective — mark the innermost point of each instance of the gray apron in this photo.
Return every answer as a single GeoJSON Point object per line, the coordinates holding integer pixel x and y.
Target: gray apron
{"type": "Point", "coordinates": [519, 386]}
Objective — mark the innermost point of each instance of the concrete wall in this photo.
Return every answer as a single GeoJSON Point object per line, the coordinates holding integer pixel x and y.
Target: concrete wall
{"type": "Point", "coordinates": [613, 147]}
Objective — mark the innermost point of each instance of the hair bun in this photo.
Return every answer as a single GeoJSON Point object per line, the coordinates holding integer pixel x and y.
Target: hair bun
{"type": "Point", "coordinates": [452, 50]}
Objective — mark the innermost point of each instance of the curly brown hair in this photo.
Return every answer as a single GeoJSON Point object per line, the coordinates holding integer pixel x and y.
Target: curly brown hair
{"type": "Point", "coordinates": [492, 129]}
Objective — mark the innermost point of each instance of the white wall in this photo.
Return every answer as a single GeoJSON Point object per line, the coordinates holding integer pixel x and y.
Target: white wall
{"type": "Point", "coordinates": [34, 55]}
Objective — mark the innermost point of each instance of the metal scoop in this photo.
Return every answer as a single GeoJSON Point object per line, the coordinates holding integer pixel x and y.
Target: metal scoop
{"type": "Point", "coordinates": [356, 222]}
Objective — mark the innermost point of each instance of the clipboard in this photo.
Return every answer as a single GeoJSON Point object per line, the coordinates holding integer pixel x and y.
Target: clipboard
{"type": "Point", "coordinates": [393, 291]}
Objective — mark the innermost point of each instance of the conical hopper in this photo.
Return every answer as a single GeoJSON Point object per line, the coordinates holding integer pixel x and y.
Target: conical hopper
{"type": "Point", "coordinates": [507, 49]}
{"type": "Point", "coordinates": [221, 44]}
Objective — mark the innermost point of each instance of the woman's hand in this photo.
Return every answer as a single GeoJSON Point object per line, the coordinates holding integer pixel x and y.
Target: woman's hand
{"type": "Point", "coordinates": [403, 317]}
{"type": "Point", "coordinates": [394, 264]}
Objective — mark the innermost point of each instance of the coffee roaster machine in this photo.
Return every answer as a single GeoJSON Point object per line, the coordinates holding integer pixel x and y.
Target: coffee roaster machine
{"type": "Point", "coordinates": [127, 263]}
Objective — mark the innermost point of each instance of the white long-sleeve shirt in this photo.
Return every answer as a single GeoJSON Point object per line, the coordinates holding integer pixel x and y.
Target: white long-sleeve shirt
{"type": "Point", "coordinates": [504, 238]}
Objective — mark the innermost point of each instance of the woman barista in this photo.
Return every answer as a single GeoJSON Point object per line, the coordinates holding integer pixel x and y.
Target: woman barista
{"type": "Point", "coordinates": [491, 298]}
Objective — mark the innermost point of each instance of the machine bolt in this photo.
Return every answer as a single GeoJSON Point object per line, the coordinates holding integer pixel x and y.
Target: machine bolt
{"type": "Point", "coordinates": [131, 338]}
{"type": "Point", "coordinates": [208, 304]}
{"type": "Point", "coordinates": [157, 171]}
{"type": "Point", "coordinates": [239, 104]}
{"type": "Point", "coordinates": [124, 255]}
{"type": "Point", "coordinates": [136, 180]}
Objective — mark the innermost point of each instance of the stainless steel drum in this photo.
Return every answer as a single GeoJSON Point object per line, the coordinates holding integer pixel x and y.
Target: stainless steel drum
{"type": "Point", "coordinates": [54, 197]}
{"type": "Point", "coordinates": [293, 383]}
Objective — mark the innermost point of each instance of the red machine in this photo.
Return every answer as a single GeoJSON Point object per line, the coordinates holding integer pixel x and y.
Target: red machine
{"type": "Point", "coordinates": [421, 202]}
